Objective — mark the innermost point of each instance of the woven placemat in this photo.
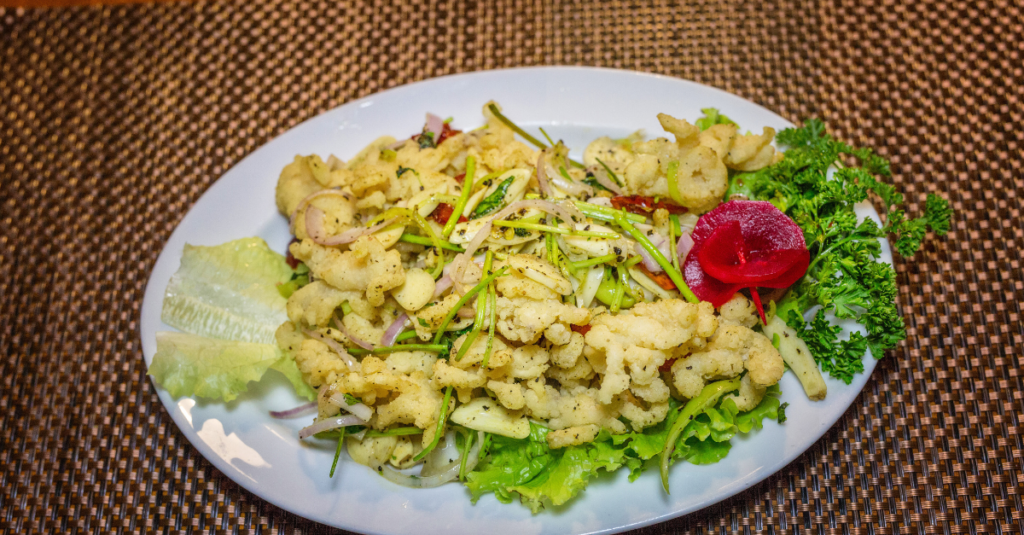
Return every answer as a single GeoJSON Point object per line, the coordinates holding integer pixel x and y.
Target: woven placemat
{"type": "Point", "coordinates": [113, 121]}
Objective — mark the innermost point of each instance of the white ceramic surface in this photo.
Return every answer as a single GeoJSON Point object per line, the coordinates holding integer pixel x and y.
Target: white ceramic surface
{"type": "Point", "coordinates": [265, 455]}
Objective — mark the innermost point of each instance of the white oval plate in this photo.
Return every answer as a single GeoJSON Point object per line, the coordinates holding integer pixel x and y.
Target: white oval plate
{"type": "Point", "coordinates": [265, 455]}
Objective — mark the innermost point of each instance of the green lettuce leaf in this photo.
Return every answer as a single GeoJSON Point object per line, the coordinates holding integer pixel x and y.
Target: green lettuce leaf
{"type": "Point", "coordinates": [190, 365]}
{"type": "Point", "coordinates": [541, 476]}
{"type": "Point", "coordinates": [228, 292]}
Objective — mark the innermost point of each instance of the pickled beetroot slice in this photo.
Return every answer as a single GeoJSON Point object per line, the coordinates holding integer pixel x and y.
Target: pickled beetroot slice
{"type": "Point", "coordinates": [729, 256]}
{"type": "Point", "coordinates": [749, 244]}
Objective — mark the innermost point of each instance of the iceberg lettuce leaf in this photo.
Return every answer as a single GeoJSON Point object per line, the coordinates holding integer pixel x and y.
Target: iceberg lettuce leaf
{"type": "Point", "coordinates": [190, 365]}
{"type": "Point", "coordinates": [228, 291]}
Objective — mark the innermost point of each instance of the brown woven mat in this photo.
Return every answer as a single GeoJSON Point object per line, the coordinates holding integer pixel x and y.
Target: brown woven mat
{"type": "Point", "coordinates": [114, 121]}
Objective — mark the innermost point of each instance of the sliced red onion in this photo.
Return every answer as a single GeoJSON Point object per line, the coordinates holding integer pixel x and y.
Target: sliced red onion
{"type": "Point", "coordinates": [683, 246]}
{"type": "Point", "coordinates": [302, 204]}
{"type": "Point", "coordinates": [443, 284]}
{"type": "Point", "coordinates": [362, 411]}
{"type": "Point", "coordinates": [394, 330]}
{"type": "Point", "coordinates": [435, 125]}
{"type": "Point", "coordinates": [301, 410]}
{"type": "Point", "coordinates": [328, 424]}
{"type": "Point", "coordinates": [649, 261]}
{"type": "Point", "coordinates": [603, 179]}
{"type": "Point", "coordinates": [350, 361]}
{"type": "Point", "coordinates": [315, 229]}
{"type": "Point", "coordinates": [542, 176]}
{"type": "Point", "coordinates": [447, 473]}
{"type": "Point", "coordinates": [397, 145]}
{"type": "Point", "coordinates": [572, 188]}
{"type": "Point", "coordinates": [341, 327]}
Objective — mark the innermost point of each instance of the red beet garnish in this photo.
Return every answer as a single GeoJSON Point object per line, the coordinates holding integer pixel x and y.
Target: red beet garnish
{"type": "Point", "coordinates": [638, 204]}
{"type": "Point", "coordinates": [744, 244]}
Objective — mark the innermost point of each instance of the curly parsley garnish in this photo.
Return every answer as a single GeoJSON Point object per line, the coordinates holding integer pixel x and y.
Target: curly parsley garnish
{"type": "Point", "coordinates": [844, 277]}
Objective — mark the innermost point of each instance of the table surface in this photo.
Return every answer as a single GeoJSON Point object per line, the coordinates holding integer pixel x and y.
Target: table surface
{"type": "Point", "coordinates": [115, 119]}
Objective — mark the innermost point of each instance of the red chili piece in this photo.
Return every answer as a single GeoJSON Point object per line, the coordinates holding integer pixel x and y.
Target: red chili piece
{"type": "Point", "coordinates": [443, 213]}
{"type": "Point", "coordinates": [288, 258]}
{"type": "Point", "coordinates": [744, 244]}
{"type": "Point", "coordinates": [662, 278]}
{"type": "Point", "coordinates": [638, 204]}
{"type": "Point", "coordinates": [582, 329]}
{"type": "Point", "coordinates": [446, 132]}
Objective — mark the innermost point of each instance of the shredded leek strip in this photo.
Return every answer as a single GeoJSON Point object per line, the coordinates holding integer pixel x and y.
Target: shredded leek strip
{"type": "Point", "coordinates": [603, 213]}
{"type": "Point", "coordinates": [346, 308]}
{"type": "Point", "coordinates": [441, 420]}
{"type": "Point", "coordinates": [515, 128]}
{"type": "Point", "coordinates": [465, 299]}
{"type": "Point", "coordinates": [433, 348]}
{"type": "Point", "coordinates": [465, 454]}
{"type": "Point", "coordinates": [673, 182]}
{"type": "Point", "coordinates": [556, 230]}
{"type": "Point", "coordinates": [420, 240]}
{"type": "Point", "coordinates": [617, 295]}
{"type": "Point", "coordinates": [611, 174]}
{"type": "Point", "coordinates": [460, 205]}
{"type": "Point", "coordinates": [493, 294]}
{"type": "Point", "coordinates": [434, 240]}
{"type": "Point", "coordinates": [672, 272]}
{"type": "Point", "coordinates": [633, 261]}
{"type": "Point", "coordinates": [337, 452]}
{"type": "Point", "coordinates": [592, 262]}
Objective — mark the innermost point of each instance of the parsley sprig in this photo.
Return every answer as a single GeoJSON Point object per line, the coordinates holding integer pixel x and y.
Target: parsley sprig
{"type": "Point", "coordinates": [814, 187]}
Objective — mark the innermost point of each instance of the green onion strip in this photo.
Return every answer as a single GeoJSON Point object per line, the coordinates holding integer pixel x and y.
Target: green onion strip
{"type": "Point", "coordinates": [465, 454]}
{"type": "Point", "coordinates": [433, 348]}
{"type": "Point", "coordinates": [707, 398]}
{"type": "Point", "coordinates": [441, 421]}
{"type": "Point", "coordinates": [592, 262]}
{"type": "Point", "coordinates": [420, 240]}
{"type": "Point", "coordinates": [603, 213]}
{"type": "Point", "coordinates": [467, 187]}
{"type": "Point", "coordinates": [337, 452]}
{"type": "Point", "coordinates": [555, 230]}
{"type": "Point", "coordinates": [490, 327]}
{"type": "Point", "coordinates": [465, 299]}
{"type": "Point", "coordinates": [672, 272]}
{"type": "Point", "coordinates": [515, 128]}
